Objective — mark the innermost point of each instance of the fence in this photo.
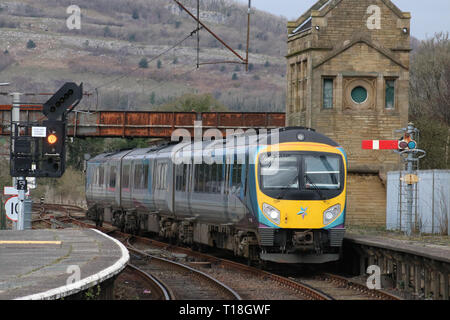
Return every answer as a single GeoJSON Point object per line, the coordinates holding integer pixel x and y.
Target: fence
{"type": "Point", "coordinates": [431, 203]}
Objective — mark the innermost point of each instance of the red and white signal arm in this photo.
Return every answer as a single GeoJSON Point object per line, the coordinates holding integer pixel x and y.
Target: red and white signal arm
{"type": "Point", "coordinates": [12, 208]}
{"type": "Point", "coordinates": [380, 144]}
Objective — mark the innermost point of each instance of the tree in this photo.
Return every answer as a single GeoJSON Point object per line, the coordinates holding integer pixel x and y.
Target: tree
{"type": "Point", "coordinates": [132, 37]}
{"type": "Point", "coordinates": [430, 78]}
{"type": "Point", "coordinates": [430, 99]}
{"type": "Point", "coordinates": [234, 77]}
{"type": "Point", "coordinates": [107, 32]}
{"type": "Point", "coordinates": [31, 44]}
{"type": "Point", "coordinates": [79, 147]}
{"type": "Point", "coordinates": [159, 64]}
{"type": "Point", "coordinates": [143, 63]}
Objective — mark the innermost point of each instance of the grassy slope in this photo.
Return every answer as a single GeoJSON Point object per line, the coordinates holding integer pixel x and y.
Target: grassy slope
{"type": "Point", "coordinates": [111, 43]}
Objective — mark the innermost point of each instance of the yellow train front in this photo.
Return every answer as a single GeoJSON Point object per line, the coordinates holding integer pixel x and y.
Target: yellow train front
{"type": "Point", "coordinates": [300, 198]}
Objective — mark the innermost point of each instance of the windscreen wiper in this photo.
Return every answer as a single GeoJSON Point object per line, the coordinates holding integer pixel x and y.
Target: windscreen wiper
{"type": "Point", "coordinates": [314, 186]}
{"type": "Point", "coordinates": [285, 188]}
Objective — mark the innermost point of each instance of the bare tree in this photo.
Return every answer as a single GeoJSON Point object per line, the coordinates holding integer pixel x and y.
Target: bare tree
{"type": "Point", "coordinates": [430, 78]}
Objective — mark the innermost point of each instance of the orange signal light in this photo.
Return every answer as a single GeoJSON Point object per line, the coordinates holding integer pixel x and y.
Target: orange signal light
{"type": "Point", "coordinates": [51, 139]}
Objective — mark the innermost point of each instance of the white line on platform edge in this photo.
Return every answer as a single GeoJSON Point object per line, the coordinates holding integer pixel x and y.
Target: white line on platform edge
{"type": "Point", "coordinates": [88, 282]}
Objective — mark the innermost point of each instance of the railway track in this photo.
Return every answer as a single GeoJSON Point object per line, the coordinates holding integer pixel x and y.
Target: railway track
{"type": "Point", "coordinates": [251, 283]}
{"type": "Point", "coordinates": [135, 283]}
{"type": "Point", "coordinates": [341, 288]}
{"type": "Point", "coordinates": [185, 283]}
{"type": "Point", "coordinates": [153, 258]}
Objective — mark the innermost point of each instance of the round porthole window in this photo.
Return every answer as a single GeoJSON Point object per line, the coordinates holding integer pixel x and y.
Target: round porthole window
{"type": "Point", "coordinates": [359, 95]}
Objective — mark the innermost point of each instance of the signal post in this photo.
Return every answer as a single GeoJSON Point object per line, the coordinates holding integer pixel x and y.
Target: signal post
{"type": "Point", "coordinates": [38, 148]}
{"type": "Point", "coordinates": [406, 145]}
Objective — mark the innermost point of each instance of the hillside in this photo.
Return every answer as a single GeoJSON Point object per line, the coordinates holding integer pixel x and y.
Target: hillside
{"type": "Point", "coordinates": [38, 53]}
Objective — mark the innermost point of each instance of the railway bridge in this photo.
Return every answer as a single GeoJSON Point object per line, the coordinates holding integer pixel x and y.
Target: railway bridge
{"type": "Point", "coordinates": [145, 124]}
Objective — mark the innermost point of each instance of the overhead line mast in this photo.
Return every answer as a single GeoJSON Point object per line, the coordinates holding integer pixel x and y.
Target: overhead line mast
{"type": "Point", "coordinates": [197, 18]}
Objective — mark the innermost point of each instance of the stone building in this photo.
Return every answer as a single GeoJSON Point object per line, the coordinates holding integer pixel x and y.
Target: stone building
{"type": "Point", "coordinates": [348, 77]}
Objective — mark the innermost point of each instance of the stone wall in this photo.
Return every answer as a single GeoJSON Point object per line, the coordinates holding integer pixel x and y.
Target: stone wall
{"type": "Point", "coordinates": [366, 200]}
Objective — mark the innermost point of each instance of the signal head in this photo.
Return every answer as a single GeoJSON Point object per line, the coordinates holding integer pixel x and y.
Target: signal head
{"type": "Point", "coordinates": [56, 107]}
{"type": "Point", "coordinates": [52, 138]}
{"type": "Point", "coordinates": [412, 144]}
{"type": "Point", "coordinates": [402, 145]}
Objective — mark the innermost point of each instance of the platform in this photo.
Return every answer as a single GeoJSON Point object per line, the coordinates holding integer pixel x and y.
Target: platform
{"type": "Point", "coordinates": [426, 250]}
{"type": "Point", "coordinates": [54, 264]}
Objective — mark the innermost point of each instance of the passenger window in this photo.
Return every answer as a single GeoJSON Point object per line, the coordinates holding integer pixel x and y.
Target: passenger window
{"type": "Point", "coordinates": [138, 178]}
{"type": "Point", "coordinates": [221, 174]}
{"type": "Point", "coordinates": [161, 170]}
{"type": "Point", "coordinates": [112, 177]}
{"type": "Point", "coordinates": [237, 177]}
{"type": "Point", "coordinates": [181, 174]}
{"type": "Point", "coordinates": [145, 176]}
{"type": "Point", "coordinates": [184, 177]}
{"type": "Point", "coordinates": [126, 176]}
{"type": "Point", "coordinates": [214, 178]}
{"type": "Point", "coordinates": [100, 176]}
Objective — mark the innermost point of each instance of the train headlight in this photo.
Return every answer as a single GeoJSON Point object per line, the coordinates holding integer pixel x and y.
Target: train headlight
{"type": "Point", "coordinates": [272, 212]}
{"type": "Point", "coordinates": [331, 213]}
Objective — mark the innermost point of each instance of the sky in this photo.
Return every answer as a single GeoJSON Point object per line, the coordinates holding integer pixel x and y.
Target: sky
{"type": "Point", "coordinates": [428, 17]}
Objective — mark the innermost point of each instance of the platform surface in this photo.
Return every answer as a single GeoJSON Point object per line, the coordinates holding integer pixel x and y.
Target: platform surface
{"type": "Point", "coordinates": [427, 250]}
{"type": "Point", "coordinates": [45, 264]}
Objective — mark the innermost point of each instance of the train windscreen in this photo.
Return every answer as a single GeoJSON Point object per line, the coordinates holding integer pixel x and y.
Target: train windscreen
{"type": "Point", "coordinates": [301, 175]}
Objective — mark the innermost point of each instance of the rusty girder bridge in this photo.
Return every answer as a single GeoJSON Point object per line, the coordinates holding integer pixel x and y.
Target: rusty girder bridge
{"type": "Point", "coordinates": [145, 124]}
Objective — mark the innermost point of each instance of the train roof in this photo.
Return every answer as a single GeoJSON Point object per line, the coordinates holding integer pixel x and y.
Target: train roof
{"type": "Point", "coordinates": [281, 135]}
{"type": "Point", "coordinates": [291, 134]}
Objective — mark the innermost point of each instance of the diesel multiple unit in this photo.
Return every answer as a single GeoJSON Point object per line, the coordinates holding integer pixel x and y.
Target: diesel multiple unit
{"type": "Point", "coordinates": [281, 197]}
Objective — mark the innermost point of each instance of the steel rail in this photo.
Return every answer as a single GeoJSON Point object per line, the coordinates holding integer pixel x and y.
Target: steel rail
{"type": "Point", "coordinates": [377, 293]}
{"type": "Point", "coordinates": [221, 286]}
{"type": "Point", "coordinates": [163, 289]}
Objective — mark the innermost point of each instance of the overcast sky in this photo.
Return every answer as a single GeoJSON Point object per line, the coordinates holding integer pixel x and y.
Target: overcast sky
{"type": "Point", "coordinates": [428, 16]}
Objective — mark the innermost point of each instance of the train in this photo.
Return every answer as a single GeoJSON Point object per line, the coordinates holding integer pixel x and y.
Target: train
{"type": "Point", "coordinates": [278, 197]}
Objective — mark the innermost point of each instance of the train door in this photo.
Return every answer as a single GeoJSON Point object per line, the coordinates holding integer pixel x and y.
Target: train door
{"type": "Point", "coordinates": [161, 186]}
{"type": "Point", "coordinates": [189, 187]}
{"type": "Point", "coordinates": [139, 184]}
{"type": "Point", "coordinates": [171, 177]}
{"type": "Point", "coordinates": [114, 184]}
{"type": "Point", "coordinates": [125, 184]}
{"type": "Point", "coordinates": [90, 178]}
{"type": "Point", "coordinates": [181, 194]}
{"type": "Point", "coordinates": [230, 200]}
{"type": "Point", "coordinates": [100, 192]}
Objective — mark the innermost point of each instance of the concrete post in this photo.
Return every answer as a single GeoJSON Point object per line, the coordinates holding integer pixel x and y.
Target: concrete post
{"type": "Point", "coordinates": [15, 118]}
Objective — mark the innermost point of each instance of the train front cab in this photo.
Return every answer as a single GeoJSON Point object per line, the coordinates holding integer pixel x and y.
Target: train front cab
{"type": "Point", "coordinates": [301, 199]}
